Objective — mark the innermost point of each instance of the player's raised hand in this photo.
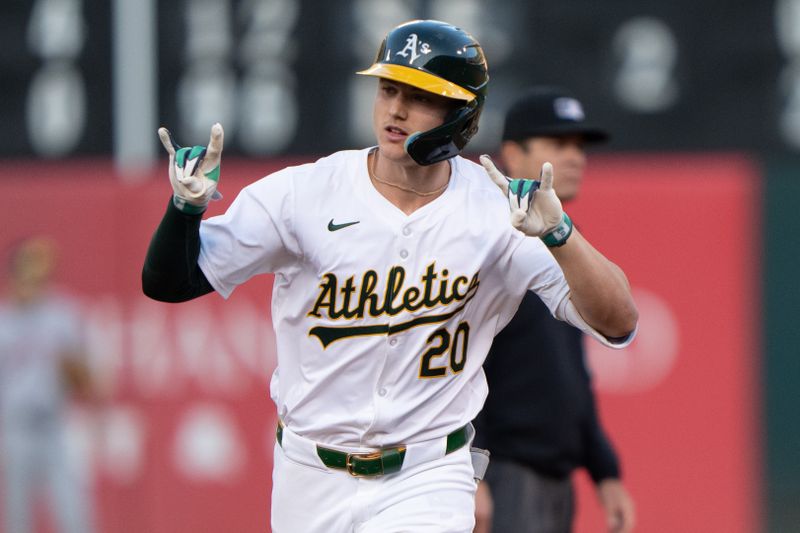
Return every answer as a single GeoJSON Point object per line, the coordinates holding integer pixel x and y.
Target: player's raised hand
{"type": "Point", "coordinates": [535, 209]}
{"type": "Point", "coordinates": [194, 171]}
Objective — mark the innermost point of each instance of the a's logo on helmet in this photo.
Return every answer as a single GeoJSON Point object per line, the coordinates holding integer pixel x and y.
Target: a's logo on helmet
{"type": "Point", "coordinates": [414, 48]}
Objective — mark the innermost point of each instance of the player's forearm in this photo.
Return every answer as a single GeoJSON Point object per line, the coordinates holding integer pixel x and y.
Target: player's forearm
{"type": "Point", "coordinates": [598, 288]}
{"type": "Point", "coordinates": [170, 272]}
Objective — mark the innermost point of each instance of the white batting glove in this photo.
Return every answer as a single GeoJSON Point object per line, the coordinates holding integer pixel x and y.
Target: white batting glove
{"type": "Point", "coordinates": [194, 171]}
{"type": "Point", "coordinates": [535, 209]}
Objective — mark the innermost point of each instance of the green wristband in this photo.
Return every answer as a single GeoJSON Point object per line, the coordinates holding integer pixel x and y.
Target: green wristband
{"type": "Point", "coordinates": [558, 235]}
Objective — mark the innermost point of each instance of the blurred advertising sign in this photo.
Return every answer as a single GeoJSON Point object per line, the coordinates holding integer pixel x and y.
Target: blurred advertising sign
{"type": "Point", "coordinates": [682, 402]}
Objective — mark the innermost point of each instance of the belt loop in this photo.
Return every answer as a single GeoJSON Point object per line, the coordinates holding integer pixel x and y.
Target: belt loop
{"type": "Point", "coordinates": [392, 460]}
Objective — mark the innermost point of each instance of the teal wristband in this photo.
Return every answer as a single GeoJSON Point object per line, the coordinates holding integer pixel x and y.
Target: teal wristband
{"type": "Point", "coordinates": [558, 235]}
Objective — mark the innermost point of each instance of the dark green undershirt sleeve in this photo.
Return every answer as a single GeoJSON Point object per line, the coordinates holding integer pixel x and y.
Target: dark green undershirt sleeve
{"type": "Point", "coordinates": [171, 272]}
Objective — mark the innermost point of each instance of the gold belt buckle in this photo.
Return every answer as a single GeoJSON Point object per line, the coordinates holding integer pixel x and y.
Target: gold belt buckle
{"type": "Point", "coordinates": [367, 456]}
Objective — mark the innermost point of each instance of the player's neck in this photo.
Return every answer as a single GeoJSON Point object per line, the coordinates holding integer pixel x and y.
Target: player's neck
{"type": "Point", "coordinates": [408, 187]}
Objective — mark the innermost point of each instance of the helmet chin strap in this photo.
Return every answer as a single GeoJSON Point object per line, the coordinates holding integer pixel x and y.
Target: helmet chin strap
{"type": "Point", "coordinates": [423, 153]}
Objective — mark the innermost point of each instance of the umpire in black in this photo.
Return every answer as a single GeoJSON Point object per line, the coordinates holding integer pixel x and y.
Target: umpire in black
{"type": "Point", "coordinates": [544, 424]}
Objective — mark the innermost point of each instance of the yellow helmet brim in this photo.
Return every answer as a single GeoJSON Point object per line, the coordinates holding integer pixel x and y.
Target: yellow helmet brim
{"type": "Point", "coordinates": [419, 79]}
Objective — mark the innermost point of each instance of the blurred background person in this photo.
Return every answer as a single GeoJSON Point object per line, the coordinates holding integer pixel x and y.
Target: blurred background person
{"type": "Point", "coordinates": [544, 424]}
{"type": "Point", "coordinates": [42, 366]}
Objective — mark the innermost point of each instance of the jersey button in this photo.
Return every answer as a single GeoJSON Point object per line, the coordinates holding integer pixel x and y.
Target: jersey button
{"type": "Point", "coordinates": [406, 231]}
{"type": "Point", "coordinates": [393, 342]}
{"type": "Point", "coordinates": [403, 253]}
{"type": "Point", "coordinates": [382, 392]}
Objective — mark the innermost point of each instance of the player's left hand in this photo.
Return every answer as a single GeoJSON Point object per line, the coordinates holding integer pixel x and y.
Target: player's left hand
{"type": "Point", "coordinates": [535, 208]}
{"type": "Point", "coordinates": [618, 505]}
{"type": "Point", "coordinates": [194, 171]}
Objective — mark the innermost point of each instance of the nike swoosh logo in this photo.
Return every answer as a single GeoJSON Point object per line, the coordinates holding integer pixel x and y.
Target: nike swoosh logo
{"type": "Point", "coordinates": [337, 227]}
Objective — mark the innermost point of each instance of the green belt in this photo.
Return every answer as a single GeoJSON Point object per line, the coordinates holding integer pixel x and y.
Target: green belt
{"type": "Point", "coordinates": [377, 463]}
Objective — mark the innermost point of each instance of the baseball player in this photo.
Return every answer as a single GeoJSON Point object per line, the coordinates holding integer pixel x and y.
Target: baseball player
{"type": "Point", "coordinates": [395, 266]}
{"type": "Point", "coordinates": [42, 363]}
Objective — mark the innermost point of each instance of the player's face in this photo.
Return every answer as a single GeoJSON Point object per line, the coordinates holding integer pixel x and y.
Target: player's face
{"type": "Point", "coordinates": [567, 156]}
{"type": "Point", "coordinates": [401, 110]}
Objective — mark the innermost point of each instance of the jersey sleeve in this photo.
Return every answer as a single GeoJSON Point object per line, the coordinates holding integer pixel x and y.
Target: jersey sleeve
{"type": "Point", "coordinates": [253, 237]}
{"type": "Point", "coordinates": [569, 313]}
{"type": "Point", "coordinates": [533, 267]}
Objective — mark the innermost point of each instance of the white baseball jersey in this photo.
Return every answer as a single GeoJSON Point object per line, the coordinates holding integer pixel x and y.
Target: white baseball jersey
{"type": "Point", "coordinates": [382, 319]}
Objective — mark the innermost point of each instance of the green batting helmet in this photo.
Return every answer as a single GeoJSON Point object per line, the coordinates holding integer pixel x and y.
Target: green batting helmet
{"type": "Point", "coordinates": [439, 58]}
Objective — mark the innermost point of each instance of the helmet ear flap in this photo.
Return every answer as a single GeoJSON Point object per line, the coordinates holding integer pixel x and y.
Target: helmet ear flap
{"type": "Point", "coordinates": [447, 140]}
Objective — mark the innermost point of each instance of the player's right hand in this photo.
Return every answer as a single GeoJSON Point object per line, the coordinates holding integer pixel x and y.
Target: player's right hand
{"type": "Point", "coordinates": [194, 171]}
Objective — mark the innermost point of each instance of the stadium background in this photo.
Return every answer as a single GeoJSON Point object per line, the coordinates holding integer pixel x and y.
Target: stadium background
{"type": "Point", "coordinates": [694, 197]}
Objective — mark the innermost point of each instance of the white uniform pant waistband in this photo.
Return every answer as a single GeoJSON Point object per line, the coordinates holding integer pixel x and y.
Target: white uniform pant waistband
{"type": "Point", "coordinates": [304, 451]}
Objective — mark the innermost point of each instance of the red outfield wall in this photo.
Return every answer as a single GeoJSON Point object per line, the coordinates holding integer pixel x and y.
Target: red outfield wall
{"type": "Point", "coordinates": [681, 403]}
{"type": "Point", "coordinates": [183, 441]}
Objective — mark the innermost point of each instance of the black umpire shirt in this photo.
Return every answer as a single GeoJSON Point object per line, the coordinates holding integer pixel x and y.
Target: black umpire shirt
{"type": "Point", "coordinates": [540, 411]}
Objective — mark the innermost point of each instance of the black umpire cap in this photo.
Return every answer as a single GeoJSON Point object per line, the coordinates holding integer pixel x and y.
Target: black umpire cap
{"type": "Point", "coordinates": [549, 112]}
